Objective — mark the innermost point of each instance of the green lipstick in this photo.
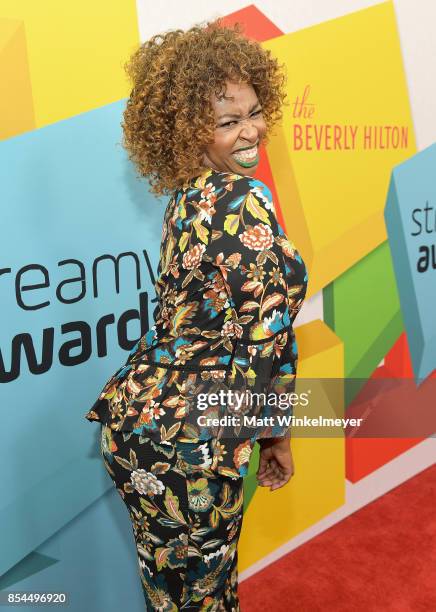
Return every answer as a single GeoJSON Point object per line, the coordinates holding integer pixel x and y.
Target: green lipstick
{"type": "Point", "coordinates": [247, 163]}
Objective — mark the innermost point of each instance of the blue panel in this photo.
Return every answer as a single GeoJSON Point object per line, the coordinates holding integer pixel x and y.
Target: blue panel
{"type": "Point", "coordinates": [410, 216]}
{"type": "Point", "coordinates": [68, 192]}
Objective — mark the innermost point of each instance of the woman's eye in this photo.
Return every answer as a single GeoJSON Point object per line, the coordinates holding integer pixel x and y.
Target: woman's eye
{"type": "Point", "coordinates": [228, 123]}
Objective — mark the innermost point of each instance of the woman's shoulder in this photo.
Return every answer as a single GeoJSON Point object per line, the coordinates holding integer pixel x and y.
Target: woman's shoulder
{"type": "Point", "coordinates": [212, 184]}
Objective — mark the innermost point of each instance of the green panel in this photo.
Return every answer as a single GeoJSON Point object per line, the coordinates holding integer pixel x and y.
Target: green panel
{"type": "Point", "coordinates": [363, 309]}
{"type": "Point", "coordinates": [250, 480]}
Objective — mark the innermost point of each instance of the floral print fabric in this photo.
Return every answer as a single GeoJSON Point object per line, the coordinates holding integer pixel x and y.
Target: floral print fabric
{"type": "Point", "coordinates": [229, 285]}
{"type": "Point", "coordinates": [186, 520]}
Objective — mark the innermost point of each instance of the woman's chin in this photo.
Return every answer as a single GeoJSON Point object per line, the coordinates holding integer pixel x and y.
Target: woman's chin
{"type": "Point", "coordinates": [245, 170]}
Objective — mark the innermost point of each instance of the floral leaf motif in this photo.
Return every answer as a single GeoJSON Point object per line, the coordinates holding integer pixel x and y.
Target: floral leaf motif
{"type": "Point", "coordinates": [245, 319]}
{"type": "Point", "coordinates": [272, 301]}
{"type": "Point", "coordinates": [161, 557]}
{"type": "Point", "coordinates": [182, 207]}
{"type": "Point", "coordinates": [255, 209]}
{"type": "Point", "coordinates": [250, 285]}
{"type": "Point", "coordinates": [188, 279]}
{"type": "Point", "coordinates": [233, 260]}
{"type": "Point", "coordinates": [227, 471]}
{"type": "Point", "coordinates": [294, 289]}
{"type": "Point", "coordinates": [168, 253]}
{"type": "Point", "coordinates": [153, 538]}
{"type": "Point", "coordinates": [124, 463]}
{"type": "Point", "coordinates": [160, 467]}
{"type": "Point", "coordinates": [251, 373]}
{"type": "Point", "coordinates": [198, 274]}
{"type": "Point", "coordinates": [216, 543]}
{"type": "Point", "coordinates": [231, 224]}
{"type": "Point", "coordinates": [225, 494]}
{"type": "Point", "coordinates": [267, 349]}
{"type": "Point", "coordinates": [216, 234]}
{"type": "Point", "coordinates": [213, 333]}
{"type": "Point", "coordinates": [167, 435]}
{"type": "Point", "coordinates": [200, 182]}
{"type": "Point", "coordinates": [166, 522]}
{"type": "Point", "coordinates": [214, 518]}
{"type": "Point", "coordinates": [272, 256]}
{"type": "Point", "coordinates": [172, 505]}
{"type": "Point", "coordinates": [148, 507]}
{"type": "Point", "coordinates": [133, 459]}
{"type": "Point", "coordinates": [183, 241]}
{"type": "Point", "coordinates": [230, 510]}
{"type": "Point", "coordinates": [201, 483]}
{"type": "Point", "coordinates": [172, 401]}
{"type": "Point", "coordinates": [257, 331]}
{"type": "Point", "coordinates": [250, 305]}
{"type": "Point", "coordinates": [201, 231]}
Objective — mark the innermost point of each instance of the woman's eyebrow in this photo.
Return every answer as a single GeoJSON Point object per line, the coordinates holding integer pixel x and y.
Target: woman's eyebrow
{"type": "Point", "coordinates": [237, 114]}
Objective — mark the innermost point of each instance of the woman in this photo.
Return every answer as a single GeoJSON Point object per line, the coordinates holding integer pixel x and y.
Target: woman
{"type": "Point", "coordinates": [229, 286]}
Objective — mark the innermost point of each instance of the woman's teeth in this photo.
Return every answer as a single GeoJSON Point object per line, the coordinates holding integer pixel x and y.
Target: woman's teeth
{"type": "Point", "coordinates": [247, 154]}
{"type": "Point", "coordinates": [247, 157]}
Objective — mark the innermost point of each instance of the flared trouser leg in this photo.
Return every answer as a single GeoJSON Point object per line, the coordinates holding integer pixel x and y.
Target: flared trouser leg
{"type": "Point", "coordinates": [186, 520]}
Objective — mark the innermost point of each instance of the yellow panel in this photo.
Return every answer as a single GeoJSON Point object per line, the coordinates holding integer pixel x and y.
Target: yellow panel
{"type": "Point", "coordinates": [332, 199]}
{"type": "Point", "coordinates": [316, 489]}
{"type": "Point", "coordinates": [16, 105]}
{"type": "Point", "coordinates": [320, 350]}
{"type": "Point", "coordinates": [76, 52]}
{"type": "Point", "coordinates": [318, 485]}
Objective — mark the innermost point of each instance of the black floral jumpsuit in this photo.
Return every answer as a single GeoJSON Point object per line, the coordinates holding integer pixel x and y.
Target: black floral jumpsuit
{"type": "Point", "coordinates": [229, 286]}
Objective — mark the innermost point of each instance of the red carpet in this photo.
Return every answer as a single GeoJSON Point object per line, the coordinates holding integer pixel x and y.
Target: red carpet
{"type": "Point", "coordinates": [382, 557]}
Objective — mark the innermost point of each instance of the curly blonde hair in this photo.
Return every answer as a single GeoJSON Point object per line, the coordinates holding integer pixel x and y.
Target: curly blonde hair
{"type": "Point", "coordinates": [169, 118]}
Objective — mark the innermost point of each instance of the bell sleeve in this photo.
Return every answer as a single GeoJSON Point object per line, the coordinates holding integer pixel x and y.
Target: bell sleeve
{"type": "Point", "coordinates": [264, 278]}
{"type": "Point", "coordinates": [283, 378]}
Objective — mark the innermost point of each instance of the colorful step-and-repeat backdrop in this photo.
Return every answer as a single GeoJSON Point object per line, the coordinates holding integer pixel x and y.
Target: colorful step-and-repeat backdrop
{"type": "Point", "coordinates": [79, 248]}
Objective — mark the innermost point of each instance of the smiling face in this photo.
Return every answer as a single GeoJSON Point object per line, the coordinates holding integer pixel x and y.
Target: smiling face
{"type": "Point", "coordinates": [240, 128]}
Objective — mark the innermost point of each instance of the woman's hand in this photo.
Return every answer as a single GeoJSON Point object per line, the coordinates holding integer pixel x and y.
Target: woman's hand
{"type": "Point", "coordinates": [276, 465]}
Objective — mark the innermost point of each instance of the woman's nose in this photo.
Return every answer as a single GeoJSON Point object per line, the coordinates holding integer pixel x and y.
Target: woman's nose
{"type": "Point", "coordinates": [249, 131]}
